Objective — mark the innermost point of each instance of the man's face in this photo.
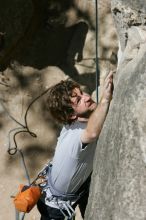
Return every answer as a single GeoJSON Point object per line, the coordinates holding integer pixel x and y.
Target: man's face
{"type": "Point", "coordinates": [82, 103]}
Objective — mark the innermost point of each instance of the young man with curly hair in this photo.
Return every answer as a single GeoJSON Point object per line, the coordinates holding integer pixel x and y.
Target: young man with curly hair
{"type": "Point", "coordinates": [70, 174]}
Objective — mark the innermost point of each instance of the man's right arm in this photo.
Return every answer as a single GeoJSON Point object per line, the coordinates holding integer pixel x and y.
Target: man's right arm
{"type": "Point", "coordinates": [97, 118]}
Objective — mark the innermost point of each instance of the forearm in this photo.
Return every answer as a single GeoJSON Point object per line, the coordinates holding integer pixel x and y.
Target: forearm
{"type": "Point", "coordinates": [96, 120]}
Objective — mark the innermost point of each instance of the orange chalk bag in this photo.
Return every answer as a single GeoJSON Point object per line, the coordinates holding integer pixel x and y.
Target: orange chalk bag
{"type": "Point", "coordinates": [27, 197]}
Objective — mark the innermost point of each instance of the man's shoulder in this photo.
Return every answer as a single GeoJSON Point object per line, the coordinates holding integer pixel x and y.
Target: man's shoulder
{"type": "Point", "coordinates": [75, 126]}
{"type": "Point", "coordinates": [72, 130]}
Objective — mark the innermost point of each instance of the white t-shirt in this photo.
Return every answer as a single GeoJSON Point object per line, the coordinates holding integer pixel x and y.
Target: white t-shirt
{"type": "Point", "coordinates": [72, 164]}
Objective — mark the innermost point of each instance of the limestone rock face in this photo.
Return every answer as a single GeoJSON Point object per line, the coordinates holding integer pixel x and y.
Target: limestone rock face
{"type": "Point", "coordinates": [127, 14]}
{"type": "Point", "coordinates": [118, 188]}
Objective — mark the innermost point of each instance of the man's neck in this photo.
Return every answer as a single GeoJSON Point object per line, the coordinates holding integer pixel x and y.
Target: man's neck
{"type": "Point", "coordinates": [82, 119]}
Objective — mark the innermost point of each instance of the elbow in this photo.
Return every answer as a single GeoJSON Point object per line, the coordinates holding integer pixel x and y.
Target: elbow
{"type": "Point", "coordinates": [89, 136]}
{"type": "Point", "coordinates": [93, 136]}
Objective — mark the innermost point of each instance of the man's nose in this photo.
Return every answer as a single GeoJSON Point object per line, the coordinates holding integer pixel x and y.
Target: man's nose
{"type": "Point", "coordinates": [86, 97]}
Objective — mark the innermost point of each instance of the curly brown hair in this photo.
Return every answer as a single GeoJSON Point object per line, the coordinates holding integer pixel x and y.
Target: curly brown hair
{"type": "Point", "coordinates": [59, 102]}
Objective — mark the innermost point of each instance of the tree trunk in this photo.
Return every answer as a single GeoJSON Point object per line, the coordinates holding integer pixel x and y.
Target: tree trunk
{"type": "Point", "coordinates": [118, 187]}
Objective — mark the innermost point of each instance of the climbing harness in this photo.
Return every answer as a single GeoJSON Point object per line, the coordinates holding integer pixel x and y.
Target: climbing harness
{"type": "Point", "coordinates": [61, 201]}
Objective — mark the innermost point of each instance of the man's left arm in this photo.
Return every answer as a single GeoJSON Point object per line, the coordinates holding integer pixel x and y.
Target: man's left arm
{"type": "Point", "coordinates": [97, 118]}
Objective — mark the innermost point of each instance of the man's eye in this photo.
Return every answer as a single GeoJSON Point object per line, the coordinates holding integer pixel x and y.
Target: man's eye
{"type": "Point", "coordinates": [78, 99]}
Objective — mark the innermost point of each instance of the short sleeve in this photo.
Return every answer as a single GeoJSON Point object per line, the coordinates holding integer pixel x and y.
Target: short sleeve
{"type": "Point", "coordinates": [76, 144]}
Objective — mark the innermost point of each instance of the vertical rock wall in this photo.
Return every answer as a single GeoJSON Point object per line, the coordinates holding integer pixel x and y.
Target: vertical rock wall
{"type": "Point", "coordinates": [118, 189]}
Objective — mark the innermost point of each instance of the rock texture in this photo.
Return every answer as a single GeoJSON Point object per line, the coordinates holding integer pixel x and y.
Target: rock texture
{"type": "Point", "coordinates": [118, 189]}
{"type": "Point", "coordinates": [127, 14]}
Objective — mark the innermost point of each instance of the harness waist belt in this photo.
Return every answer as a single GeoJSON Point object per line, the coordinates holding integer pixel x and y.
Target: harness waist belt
{"type": "Point", "coordinates": [67, 196]}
